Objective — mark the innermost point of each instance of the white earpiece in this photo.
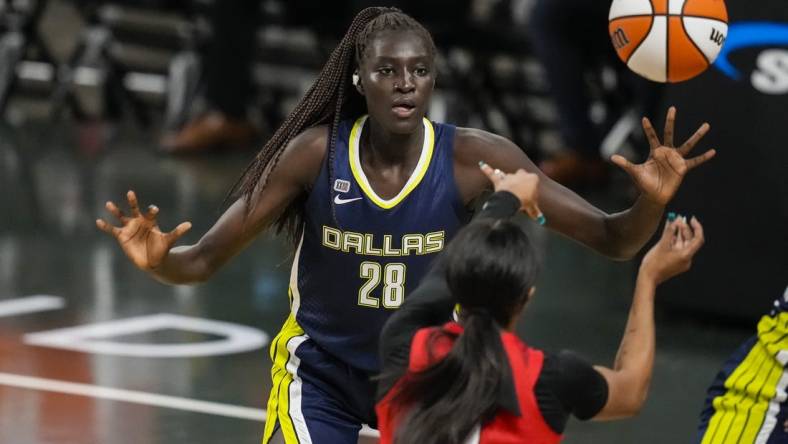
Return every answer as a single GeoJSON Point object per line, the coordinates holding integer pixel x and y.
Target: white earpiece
{"type": "Point", "coordinates": [355, 79]}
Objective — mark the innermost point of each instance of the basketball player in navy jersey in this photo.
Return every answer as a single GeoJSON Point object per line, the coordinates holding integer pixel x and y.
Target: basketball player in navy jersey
{"type": "Point", "coordinates": [747, 403]}
{"type": "Point", "coordinates": [370, 190]}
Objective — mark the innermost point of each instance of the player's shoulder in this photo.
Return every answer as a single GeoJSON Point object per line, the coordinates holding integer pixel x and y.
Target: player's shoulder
{"type": "Point", "coordinates": [310, 142]}
{"type": "Point", "coordinates": [472, 144]}
{"type": "Point", "coordinates": [475, 138]}
{"type": "Point", "coordinates": [304, 154]}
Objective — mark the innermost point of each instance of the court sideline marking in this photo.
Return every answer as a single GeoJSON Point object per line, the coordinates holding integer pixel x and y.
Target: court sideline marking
{"type": "Point", "coordinates": [145, 398]}
{"type": "Point", "coordinates": [30, 304]}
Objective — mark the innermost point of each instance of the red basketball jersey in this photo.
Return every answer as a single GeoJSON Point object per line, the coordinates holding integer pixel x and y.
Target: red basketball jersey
{"type": "Point", "coordinates": [506, 427]}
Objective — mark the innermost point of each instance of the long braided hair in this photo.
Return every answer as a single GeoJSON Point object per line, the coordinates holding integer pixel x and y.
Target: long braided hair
{"type": "Point", "coordinates": [326, 101]}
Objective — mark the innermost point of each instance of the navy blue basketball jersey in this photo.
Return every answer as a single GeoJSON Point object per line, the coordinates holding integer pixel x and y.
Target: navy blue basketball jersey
{"type": "Point", "coordinates": [356, 262]}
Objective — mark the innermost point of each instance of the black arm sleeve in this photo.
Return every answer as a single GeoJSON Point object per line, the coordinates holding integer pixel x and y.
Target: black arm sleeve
{"type": "Point", "coordinates": [568, 384]}
{"type": "Point", "coordinates": [430, 304]}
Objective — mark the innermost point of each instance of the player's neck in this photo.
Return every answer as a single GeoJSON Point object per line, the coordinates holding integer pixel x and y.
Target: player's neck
{"type": "Point", "coordinates": [384, 148]}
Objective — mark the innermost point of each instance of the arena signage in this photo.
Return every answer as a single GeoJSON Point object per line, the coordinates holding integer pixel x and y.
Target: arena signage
{"type": "Point", "coordinates": [769, 75]}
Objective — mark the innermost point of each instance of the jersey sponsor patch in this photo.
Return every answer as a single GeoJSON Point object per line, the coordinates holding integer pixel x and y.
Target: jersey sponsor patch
{"type": "Point", "coordinates": [341, 186]}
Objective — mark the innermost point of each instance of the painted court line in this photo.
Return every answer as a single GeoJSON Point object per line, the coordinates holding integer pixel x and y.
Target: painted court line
{"type": "Point", "coordinates": [31, 304]}
{"type": "Point", "coordinates": [145, 398]}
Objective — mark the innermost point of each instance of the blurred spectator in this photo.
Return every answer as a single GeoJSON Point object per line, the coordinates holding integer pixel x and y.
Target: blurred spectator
{"type": "Point", "coordinates": [228, 82]}
{"type": "Point", "coordinates": [570, 39]}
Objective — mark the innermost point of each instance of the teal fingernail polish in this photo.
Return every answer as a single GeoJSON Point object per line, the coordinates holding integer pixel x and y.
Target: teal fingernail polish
{"type": "Point", "coordinates": [481, 163]}
{"type": "Point", "coordinates": [671, 216]}
{"type": "Point", "coordinates": [541, 220]}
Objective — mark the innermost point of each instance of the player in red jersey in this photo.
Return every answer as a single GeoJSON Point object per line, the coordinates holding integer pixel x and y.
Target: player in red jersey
{"type": "Point", "coordinates": [474, 381]}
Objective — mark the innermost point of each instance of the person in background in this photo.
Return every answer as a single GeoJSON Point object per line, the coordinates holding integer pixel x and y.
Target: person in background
{"type": "Point", "coordinates": [570, 40]}
{"type": "Point", "coordinates": [228, 82]}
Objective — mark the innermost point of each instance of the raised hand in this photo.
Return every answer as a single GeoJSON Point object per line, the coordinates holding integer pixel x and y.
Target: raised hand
{"type": "Point", "coordinates": [139, 235]}
{"type": "Point", "coordinates": [673, 253]}
{"type": "Point", "coordinates": [660, 176]}
{"type": "Point", "coordinates": [522, 184]}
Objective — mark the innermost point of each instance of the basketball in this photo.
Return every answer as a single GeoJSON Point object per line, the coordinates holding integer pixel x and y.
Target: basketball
{"type": "Point", "coordinates": [668, 40]}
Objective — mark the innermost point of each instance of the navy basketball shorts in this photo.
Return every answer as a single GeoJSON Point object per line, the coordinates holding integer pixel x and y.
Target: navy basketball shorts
{"type": "Point", "coordinates": [746, 403]}
{"type": "Point", "coordinates": [315, 397]}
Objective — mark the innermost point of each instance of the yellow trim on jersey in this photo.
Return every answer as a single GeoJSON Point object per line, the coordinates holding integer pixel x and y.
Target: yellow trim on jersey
{"type": "Point", "coordinates": [415, 178]}
{"type": "Point", "coordinates": [739, 414]}
{"type": "Point", "coordinates": [279, 399]}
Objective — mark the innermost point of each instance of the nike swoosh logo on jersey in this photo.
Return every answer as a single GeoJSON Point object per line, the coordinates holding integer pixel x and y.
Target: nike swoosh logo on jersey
{"type": "Point", "coordinates": [339, 201]}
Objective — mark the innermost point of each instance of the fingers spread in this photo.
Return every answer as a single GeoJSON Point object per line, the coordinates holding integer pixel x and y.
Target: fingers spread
{"type": "Point", "coordinates": [153, 210]}
{"type": "Point", "coordinates": [179, 231]}
{"type": "Point", "coordinates": [112, 208]}
{"type": "Point", "coordinates": [622, 162]}
{"type": "Point", "coordinates": [135, 209]}
{"type": "Point", "coordinates": [670, 122]}
{"type": "Point", "coordinates": [653, 140]}
{"type": "Point", "coordinates": [699, 160]}
{"type": "Point", "coordinates": [107, 228]}
{"type": "Point", "coordinates": [692, 141]}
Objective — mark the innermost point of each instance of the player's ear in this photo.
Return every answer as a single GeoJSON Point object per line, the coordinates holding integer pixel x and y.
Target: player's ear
{"type": "Point", "coordinates": [357, 83]}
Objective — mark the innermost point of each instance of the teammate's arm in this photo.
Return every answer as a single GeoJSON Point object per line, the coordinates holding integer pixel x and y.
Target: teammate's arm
{"type": "Point", "coordinates": [629, 379]}
{"type": "Point", "coordinates": [152, 251]}
{"type": "Point", "coordinates": [619, 235]}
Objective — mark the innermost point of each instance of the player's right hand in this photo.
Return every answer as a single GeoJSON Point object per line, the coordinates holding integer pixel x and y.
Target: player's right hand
{"type": "Point", "coordinates": [522, 184]}
{"type": "Point", "coordinates": [139, 235]}
{"type": "Point", "coordinates": [673, 254]}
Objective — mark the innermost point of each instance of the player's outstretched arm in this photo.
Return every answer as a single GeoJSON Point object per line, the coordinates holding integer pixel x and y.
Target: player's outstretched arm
{"type": "Point", "coordinates": [629, 379]}
{"type": "Point", "coordinates": [153, 251]}
{"type": "Point", "coordinates": [620, 235]}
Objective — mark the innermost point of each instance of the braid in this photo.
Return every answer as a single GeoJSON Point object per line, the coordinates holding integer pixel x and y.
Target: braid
{"type": "Point", "coordinates": [326, 101]}
{"type": "Point", "coordinates": [393, 20]}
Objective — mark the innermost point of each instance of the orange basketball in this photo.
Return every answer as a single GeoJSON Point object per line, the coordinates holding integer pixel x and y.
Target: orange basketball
{"type": "Point", "coordinates": [668, 40]}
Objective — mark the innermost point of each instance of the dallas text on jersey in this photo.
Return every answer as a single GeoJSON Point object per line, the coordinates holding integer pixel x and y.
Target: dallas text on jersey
{"type": "Point", "coordinates": [361, 243]}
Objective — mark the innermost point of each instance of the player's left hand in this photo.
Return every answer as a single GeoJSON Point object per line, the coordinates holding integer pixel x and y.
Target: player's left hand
{"type": "Point", "coordinates": [659, 177]}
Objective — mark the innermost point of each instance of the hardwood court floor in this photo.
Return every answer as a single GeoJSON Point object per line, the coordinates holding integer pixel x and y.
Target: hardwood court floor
{"type": "Point", "coordinates": [166, 373]}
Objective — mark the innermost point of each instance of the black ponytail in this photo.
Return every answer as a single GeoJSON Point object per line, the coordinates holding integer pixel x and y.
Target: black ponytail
{"type": "Point", "coordinates": [490, 267]}
{"type": "Point", "coordinates": [458, 392]}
